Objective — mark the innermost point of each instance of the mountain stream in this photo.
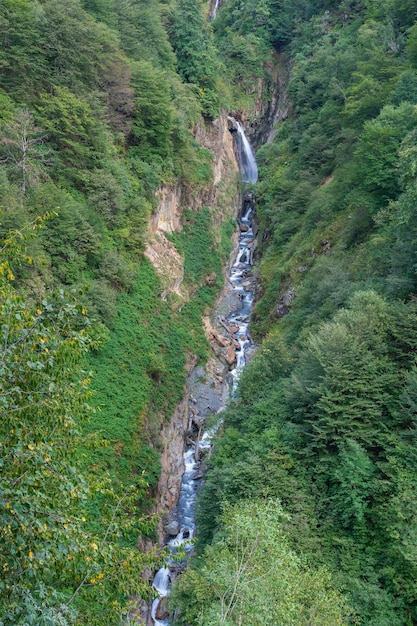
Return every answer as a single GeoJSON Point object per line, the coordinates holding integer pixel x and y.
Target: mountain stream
{"type": "Point", "coordinates": [237, 322]}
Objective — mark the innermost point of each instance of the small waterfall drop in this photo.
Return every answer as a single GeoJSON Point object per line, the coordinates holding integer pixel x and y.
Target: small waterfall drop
{"type": "Point", "coordinates": [237, 320]}
{"type": "Point", "coordinates": [215, 9]}
{"type": "Point", "coordinates": [247, 160]}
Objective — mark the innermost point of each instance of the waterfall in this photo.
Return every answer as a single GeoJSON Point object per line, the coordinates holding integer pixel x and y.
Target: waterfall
{"type": "Point", "coordinates": [241, 282]}
{"type": "Point", "coordinates": [216, 8]}
{"type": "Point", "coordinates": [247, 160]}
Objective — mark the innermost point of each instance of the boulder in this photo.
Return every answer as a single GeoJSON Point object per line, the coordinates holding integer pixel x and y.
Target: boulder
{"type": "Point", "coordinates": [230, 355]}
{"type": "Point", "coordinates": [172, 529]}
{"type": "Point", "coordinates": [325, 245]}
{"type": "Point", "coordinates": [243, 227]}
{"type": "Point", "coordinates": [222, 341]}
{"type": "Point", "coordinates": [218, 338]}
{"type": "Point", "coordinates": [198, 420]}
{"type": "Point", "coordinates": [283, 305]}
{"type": "Point", "coordinates": [162, 612]}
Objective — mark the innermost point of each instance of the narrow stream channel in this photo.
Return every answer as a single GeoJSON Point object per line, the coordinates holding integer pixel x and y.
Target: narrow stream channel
{"type": "Point", "coordinates": [238, 322]}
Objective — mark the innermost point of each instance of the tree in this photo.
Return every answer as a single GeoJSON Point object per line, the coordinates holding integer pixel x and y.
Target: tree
{"type": "Point", "coordinates": [376, 154]}
{"type": "Point", "coordinates": [152, 123]}
{"type": "Point", "coordinates": [54, 558]}
{"type": "Point", "coordinates": [345, 385]}
{"type": "Point", "coordinates": [142, 34]}
{"type": "Point", "coordinates": [197, 62]}
{"type": "Point", "coordinates": [251, 576]}
{"type": "Point", "coordinates": [73, 130]}
{"type": "Point", "coordinates": [23, 147]}
{"type": "Point", "coordinates": [352, 485]}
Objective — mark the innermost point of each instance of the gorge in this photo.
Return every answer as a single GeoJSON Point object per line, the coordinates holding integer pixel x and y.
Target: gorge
{"type": "Point", "coordinates": [125, 296]}
{"type": "Point", "coordinates": [182, 526]}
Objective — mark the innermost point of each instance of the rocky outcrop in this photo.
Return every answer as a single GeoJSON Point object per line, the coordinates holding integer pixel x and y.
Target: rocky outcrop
{"type": "Point", "coordinates": [271, 103]}
{"type": "Point", "coordinates": [166, 217]}
{"type": "Point", "coordinates": [168, 263]}
{"type": "Point", "coordinates": [283, 305]}
{"type": "Point", "coordinates": [221, 194]}
{"type": "Point", "coordinates": [172, 462]}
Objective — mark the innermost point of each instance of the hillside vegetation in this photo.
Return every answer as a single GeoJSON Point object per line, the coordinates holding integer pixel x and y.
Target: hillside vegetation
{"type": "Point", "coordinates": [308, 511]}
{"type": "Point", "coordinates": [325, 419]}
{"type": "Point", "coordinates": [98, 103]}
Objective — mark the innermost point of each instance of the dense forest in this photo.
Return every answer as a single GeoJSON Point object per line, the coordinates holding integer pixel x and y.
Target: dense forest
{"type": "Point", "coordinates": [307, 515]}
{"type": "Point", "coordinates": [99, 100]}
{"type": "Point", "coordinates": [325, 418]}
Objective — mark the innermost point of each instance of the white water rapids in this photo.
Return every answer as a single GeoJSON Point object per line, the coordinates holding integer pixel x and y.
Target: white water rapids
{"type": "Point", "coordinates": [185, 510]}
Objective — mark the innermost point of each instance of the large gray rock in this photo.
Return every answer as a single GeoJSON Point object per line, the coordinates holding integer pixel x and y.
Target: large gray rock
{"type": "Point", "coordinates": [172, 529]}
{"type": "Point", "coordinates": [283, 305]}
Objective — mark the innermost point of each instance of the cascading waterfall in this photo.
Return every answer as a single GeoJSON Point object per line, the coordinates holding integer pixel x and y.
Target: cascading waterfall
{"type": "Point", "coordinates": [247, 159]}
{"type": "Point", "coordinates": [216, 8]}
{"type": "Point", "coordinates": [238, 319]}
{"type": "Point", "coordinates": [242, 286]}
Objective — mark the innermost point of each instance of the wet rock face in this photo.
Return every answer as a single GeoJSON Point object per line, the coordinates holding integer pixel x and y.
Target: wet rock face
{"type": "Point", "coordinates": [172, 461]}
{"type": "Point", "coordinates": [141, 614]}
{"type": "Point", "coordinates": [162, 609]}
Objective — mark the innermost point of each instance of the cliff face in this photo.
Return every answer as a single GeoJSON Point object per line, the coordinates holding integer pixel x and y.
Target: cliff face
{"type": "Point", "coordinates": [271, 103]}
{"type": "Point", "coordinates": [221, 195]}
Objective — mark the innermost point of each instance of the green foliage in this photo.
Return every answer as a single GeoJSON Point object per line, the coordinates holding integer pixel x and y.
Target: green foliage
{"type": "Point", "coordinates": [250, 575]}
{"type": "Point", "coordinates": [94, 118]}
{"type": "Point", "coordinates": [142, 34]}
{"type": "Point", "coordinates": [151, 127]}
{"type": "Point", "coordinates": [196, 242]}
{"type": "Point", "coordinates": [377, 150]}
{"type": "Point", "coordinates": [196, 56]}
{"type": "Point", "coordinates": [327, 429]}
{"type": "Point", "coordinates": [54, 561]}
{"type": "Point", "coordinates": [23, 150]}
{"type": "Point", "coordinates": [324, 417]}
{"type": "Point", "coordinates": [72, 129]}
{"type": "Point", "coordinates": [69, 238]}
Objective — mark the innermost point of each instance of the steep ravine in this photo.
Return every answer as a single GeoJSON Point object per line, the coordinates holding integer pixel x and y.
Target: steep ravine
{"type": "Point", "coordinates": [208, 387]}
{"type": "Point", "coordinates": [223, 197]}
